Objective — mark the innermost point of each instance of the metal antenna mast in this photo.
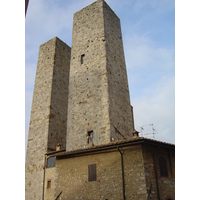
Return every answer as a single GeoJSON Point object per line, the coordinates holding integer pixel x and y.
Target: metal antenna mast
{"type": "Point", "coordinates": [153, 130]}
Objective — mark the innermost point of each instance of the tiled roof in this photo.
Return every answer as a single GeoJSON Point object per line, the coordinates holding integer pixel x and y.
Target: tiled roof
{"type": "Point", "coordinates": [112, 145]}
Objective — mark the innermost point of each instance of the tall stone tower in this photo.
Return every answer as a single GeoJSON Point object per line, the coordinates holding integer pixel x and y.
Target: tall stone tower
{"type": "Point", "coordinates": [81, 95]}
{"type": "Point", "coordinates": [99, 107]}
{"type": "Point", "coordinates": [49, 112]}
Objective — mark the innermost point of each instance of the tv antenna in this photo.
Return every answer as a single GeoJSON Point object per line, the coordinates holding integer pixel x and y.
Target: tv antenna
{"type": "Point", "coordinates": [153, 130]}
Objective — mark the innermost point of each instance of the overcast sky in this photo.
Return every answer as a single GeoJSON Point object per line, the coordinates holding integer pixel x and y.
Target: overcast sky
{"type": "Point", "coordinates": [148, 29]}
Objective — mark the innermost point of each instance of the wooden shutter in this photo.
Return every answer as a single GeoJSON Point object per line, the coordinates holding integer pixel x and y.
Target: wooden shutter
{"type": "Point", "coordinates": [51, 162]}
{"type": "Point", "coordinates": [163, 166]}
{"type": "Point", "coordinates": [92, 172]}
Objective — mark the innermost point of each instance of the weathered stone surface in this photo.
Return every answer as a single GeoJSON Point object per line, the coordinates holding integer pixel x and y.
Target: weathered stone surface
{"type": "Point", "coordinates": [49, 176]}
{"type": "Point", "coordinates": [165, 186]}
{"type": "Point", "coordinates": [71, 174]}
{"type": "Point", "coordinates": [49, 112]}
{"type": "Point", "coordinates": [98, 88]}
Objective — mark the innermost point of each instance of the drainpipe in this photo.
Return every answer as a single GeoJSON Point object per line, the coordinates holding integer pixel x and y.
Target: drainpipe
{"type": "Point", "coordinates": [122, 161]}
{"type": "Point", "coordinates": [44, 176]}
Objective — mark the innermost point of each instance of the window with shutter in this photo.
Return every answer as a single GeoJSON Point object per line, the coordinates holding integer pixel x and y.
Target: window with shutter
{"type": "Point", "coordinates": [51, 162]}
{"type": "Point", "coordinates": [92, 172]}
{"type": "Point", "coordinates": [163, 166]}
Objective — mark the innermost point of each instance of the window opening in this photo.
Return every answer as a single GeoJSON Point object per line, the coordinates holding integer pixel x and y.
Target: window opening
{"type": "Point", "coordinates": [92, 172]}
{"type": "Point", "coordinates": [82, 58]}
{"type": "Point", "coordinates": [51, 162]}
{"type": "Point", "coordinates": [163, 166]}
{"type": "Point", "coordinates": [48, 184]}
{"type": "Point", "coordinates": [90, 136]}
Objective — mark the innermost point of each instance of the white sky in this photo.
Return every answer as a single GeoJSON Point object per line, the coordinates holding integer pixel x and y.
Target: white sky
{"type": "Point", "coordinates": [148, 29]}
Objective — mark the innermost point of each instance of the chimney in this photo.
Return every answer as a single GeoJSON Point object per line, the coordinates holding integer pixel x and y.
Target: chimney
{"type": "Point", "coordinates": [135, 133]}
{"type": "Point", "coordinates": [58, 147]}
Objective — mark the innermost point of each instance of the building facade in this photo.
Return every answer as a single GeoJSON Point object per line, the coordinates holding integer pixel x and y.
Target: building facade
{"type": "Point", "coordinates": [135, 169]}
{"type": "Point", "coordinates": [82, 143]}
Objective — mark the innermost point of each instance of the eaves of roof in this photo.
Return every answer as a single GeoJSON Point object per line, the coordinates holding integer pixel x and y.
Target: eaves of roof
{"type": "Point", "coordinates": [109, 147]}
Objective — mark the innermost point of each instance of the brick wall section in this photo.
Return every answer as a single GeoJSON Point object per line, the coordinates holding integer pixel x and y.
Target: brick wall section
{"type": "Point", "coordinates": [166, 184]}
{"type": "Point", "coordinates": [98, 89]}
{"type": "Point", "coordinates": [47, 118]}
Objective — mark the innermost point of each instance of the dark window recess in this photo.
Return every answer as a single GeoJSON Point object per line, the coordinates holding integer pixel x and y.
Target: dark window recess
{"type": "Point", "coordinates": [90, 136]}
{"type": "Point", "coordinates": [48, 184]}
{"type": "Point", "coordinates": [82, 58]}
{"type": "Point", "coordinates": [163, 166]}
{"type": "Point", "coordinates": [92, 172]}
{"type": "Point", "coordinates": [51, 162]}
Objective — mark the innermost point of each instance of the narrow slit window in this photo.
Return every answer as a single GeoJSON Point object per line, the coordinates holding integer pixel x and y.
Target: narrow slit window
{"type": "Point", "coordinates": [90, 136]}
{"type": "Point", "coordinates": [82, 58]}
{"type": "Point", "coordinates": [48, 184]}
{"type": "Point", "coordinates": [92, 172]}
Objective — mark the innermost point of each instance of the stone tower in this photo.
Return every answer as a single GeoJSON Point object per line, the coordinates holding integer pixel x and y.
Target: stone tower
{"type": "Point", "coordinates": [99, 109]}
{"type": "Point", "coordinates": [49, 112]}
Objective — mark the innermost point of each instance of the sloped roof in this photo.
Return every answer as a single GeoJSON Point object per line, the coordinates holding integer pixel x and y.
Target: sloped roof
{"type": "Point", "coordinates": [110, 146]}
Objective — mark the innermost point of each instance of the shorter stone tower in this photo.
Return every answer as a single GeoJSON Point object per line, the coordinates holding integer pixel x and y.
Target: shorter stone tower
{"type": "Point", "coordinates": [99, 109]}
{"type": "Point", "coordinates": [48, 114]}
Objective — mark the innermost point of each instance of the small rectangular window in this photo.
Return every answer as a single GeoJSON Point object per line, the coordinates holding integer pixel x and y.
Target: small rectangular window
{"type": "Point", "coordinates": [82, 58]}
{"type": "Point", "coordinates": [48, 184]}
{"type": "Point", "coordinates": [92, 172]}
{"type": "Point", "coordinates": [90, 136]}
{"type": "Point", "coordinates": [51, 162]}
{"type": "Point", "coordinates": [163, 167]}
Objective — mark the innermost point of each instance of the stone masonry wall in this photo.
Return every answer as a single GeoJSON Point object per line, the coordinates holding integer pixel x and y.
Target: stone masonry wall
{"type": "Point", "coordinates": [135, 184]}
{"type": "Point", "coordinates": [49, 176]}
{"type": "Point", "coordinates": [59, 96]}
{"type": "Point", "coordinates": [166, 185]}
{"type": "Point", "coordinates": [53, 60]}
{"type": "Point", "coordinates": [98, 89]}
{"type": "Point", "coordinates": [120, 109]}
{"type": "Point", "coordinates": [88, 84]}
{"type": "Point", "coordinates": [71, 176]}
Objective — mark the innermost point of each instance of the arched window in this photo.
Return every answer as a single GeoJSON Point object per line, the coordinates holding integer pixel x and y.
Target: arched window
{"type": "Point", "coordinates": [163, 166]}
{"type": "Point", "coordinates": [51, 162]}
